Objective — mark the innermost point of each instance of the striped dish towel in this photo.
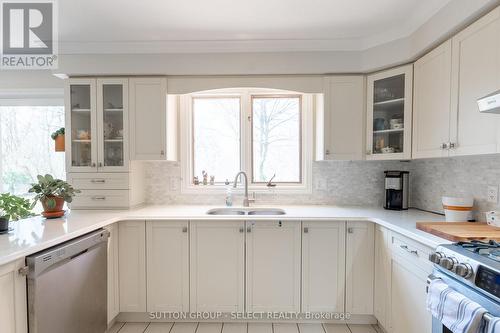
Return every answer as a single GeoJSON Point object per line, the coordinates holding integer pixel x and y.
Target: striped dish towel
{"type": "Point", "coordinates": [454, 310]}
{"type": "Point", "coordinates": [493, 326]}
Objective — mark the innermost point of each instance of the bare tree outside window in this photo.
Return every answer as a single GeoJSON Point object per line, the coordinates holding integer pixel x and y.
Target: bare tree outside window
{"type": "Point", "coordinates": [26, 148]}
{"type": "Point", "coordinates": [276, 141]}
{"type": "Point", "coordinates": [216, 135]}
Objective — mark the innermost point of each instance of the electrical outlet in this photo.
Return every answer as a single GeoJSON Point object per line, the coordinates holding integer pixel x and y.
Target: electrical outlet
{"type": "Point", "coordinates": [492, 194]}
{"type": "Point", "coordinates": [173, 184]}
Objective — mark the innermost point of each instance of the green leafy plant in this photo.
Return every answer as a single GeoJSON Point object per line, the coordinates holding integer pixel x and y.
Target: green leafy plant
{"type": "Point", "coordinates": [14, 208]}
{"type": "Point", "coordinates": [48, 186]}
{"type": "Point", "coordinates": [57, 133]}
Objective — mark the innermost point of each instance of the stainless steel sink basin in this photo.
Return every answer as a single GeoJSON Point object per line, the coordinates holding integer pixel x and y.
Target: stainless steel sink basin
{"type": "Point", "coordinates": [226, 211]}
{"type": "Point", "coordinates": [246, 211]}
{"type": "Point", "coordinates": [267, 211]}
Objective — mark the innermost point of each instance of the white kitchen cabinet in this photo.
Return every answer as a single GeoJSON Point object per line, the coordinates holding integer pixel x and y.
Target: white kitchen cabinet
{"type": "Point", "coordinates": [382, 285]}
{"type": "Point", "coordinates": [342, 122]}
{"type": "Point", "coordinates": [389, 114]}
{"type": "Point", "coordinates": [359, 267]}
{"type": "Point", "coordinates": [167, 252]}
{"type": "Point", "coordinates": [323, 266]}
{"type": "Point", "coordinates": [432, 103]}
{"type": "Point", "coordinates": [132, 265]}
{"type": "Point", "coordinates": [113, 273]}
{"type": "Point", "coordinates": [273, 253]}
{"type": "Point", "coordinates": [97, 125]}
{"type": "Point", "coordinates": [475, 73]}
{"type": "Point", "coordinates": [13, 306]}
{"type": "Point", "coordinates": [152, 122]}
{"type": "Point", "coordinates": [408, 298]}
{"type": "Point", "coordinates": [217, 266]}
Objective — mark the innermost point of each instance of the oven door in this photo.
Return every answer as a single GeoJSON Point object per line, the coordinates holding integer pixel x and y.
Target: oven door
{"type": "Point", "coordinates": [490, 305]}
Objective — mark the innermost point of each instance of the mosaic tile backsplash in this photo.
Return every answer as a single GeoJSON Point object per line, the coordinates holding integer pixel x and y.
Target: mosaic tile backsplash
{"type": "Point", "coordinates": [357, 183]}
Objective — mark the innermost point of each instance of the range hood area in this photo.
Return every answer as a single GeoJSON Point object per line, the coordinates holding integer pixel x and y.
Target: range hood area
{"type": "Point", "coordinates": [490, 103]}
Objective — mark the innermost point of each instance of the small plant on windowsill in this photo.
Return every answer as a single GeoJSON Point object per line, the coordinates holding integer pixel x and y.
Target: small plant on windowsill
{"type": "Point", "coordinates": [13, 208]}
{"type": "Point", "coordinates": [58, 137]}
{"type": "Point", "coordinates": [52, 193]}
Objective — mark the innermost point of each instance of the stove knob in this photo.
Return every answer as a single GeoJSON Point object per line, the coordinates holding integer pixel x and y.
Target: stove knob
{"type": "Point", "coordinates": [448, 263]}
{"type": "Point", "coordinates": [464, 270]}
{"type": "Point", "coordinates": [435, 257]}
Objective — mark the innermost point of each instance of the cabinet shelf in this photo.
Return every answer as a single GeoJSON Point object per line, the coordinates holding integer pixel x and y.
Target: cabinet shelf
{"type": "Point", "coordinates": [390, 102]}
{"type": "Point", "coordinates": [81, 140]}
{"type": "Point", "coordinates": [113, 140]}
{"type": "Point", "coordinates": [114, 110]}
{"type": "Point", "coordinates": [395, 130]}
{"type": "Point", "coordinates": [80, 110]}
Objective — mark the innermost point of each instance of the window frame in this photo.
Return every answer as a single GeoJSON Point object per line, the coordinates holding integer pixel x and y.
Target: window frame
{"type": "Point", "coordinates": [307, 106]}
{"type": "Point", "coordinates": [301, 148]}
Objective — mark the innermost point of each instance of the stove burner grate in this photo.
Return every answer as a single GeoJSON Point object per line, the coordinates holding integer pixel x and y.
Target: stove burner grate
{"type": "Point", "coordinates": [477, 245]}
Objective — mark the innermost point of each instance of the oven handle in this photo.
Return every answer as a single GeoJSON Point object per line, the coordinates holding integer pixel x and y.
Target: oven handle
{"type": "Point", "coordinates": [487, 316]}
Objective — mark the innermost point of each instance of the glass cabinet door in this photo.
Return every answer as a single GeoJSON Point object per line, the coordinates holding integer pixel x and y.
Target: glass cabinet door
{"type": "Point", "coordinates": [113, 123]}
{"type": "Point", "coordinates": [82, 125]}
{"type": "Point", "coordinates": [389, 126]}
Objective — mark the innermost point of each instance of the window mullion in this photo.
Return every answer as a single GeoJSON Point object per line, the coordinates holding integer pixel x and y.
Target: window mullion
{"type": "Point", "coordinates": [246, 147]}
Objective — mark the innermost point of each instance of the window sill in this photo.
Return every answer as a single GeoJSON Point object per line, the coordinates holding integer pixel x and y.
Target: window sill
{"type": "Point", "coordinates": [221, 189]}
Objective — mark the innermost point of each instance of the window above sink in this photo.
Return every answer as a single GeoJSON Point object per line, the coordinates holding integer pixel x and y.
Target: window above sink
{"type": "Point", "coordinates": [264, 132]}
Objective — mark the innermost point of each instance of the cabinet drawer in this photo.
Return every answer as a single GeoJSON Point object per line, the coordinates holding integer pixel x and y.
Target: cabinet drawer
{"type": "Point", "coordinates": [97, 181]}
{"type": "Point", "coordinates": [98, 199]}
{"type": "Point", "coordinates": [416, 253]}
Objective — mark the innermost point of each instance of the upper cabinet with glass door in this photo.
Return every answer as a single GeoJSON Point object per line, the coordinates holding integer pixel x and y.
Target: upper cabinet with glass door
{"type": "Point", "coordinates": [112, 124]}
{"type": "Point", "coordinates": [389, 114]}
{"type": "Point", "coordinates": [97, 125]}
{"type": "Point", "coordinates": [81, 129]}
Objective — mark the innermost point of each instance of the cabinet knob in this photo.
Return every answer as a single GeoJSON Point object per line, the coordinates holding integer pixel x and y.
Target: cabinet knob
{"type": "Point", "coordinates": [100, 164]}
{"type": "Point", "coordinates": [306, 230]}
{"type": "Point", "coordinates": [162, 152]}
{"type": "Point", "coordinates": [444, 146]}
{"type": "Point", "coordinates": [452, 145]}
{"type": "Point", "coordinates": [184, 229]}
{"type": "Point", "coordinates": [249, 229]}
{"type": "Point", "coordinates": [327, 152]}
{"type": "Point", "coordinates": [350, 230]}
{"type": "Point", "coordinates": [93, 165]}
{"type": "Point", "coordinates": [242, 230]}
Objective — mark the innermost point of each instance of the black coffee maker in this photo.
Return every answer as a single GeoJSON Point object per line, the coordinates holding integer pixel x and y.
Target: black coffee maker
{"type": "Point", "coordinates": [396, 190]}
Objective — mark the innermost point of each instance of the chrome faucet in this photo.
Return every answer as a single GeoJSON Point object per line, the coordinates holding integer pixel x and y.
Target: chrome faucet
{"type": "Point", "coordinates": [246, 201]}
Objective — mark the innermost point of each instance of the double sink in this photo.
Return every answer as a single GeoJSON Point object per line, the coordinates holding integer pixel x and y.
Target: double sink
{"type": "Point", "coordinates": [246, 211]}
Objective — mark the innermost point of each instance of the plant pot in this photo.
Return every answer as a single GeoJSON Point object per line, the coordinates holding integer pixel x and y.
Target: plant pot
{"type": "Point", "coordinates": [4, 224]}
{"type": "Point", "coordinates": [60, 143]}
{"type": "Point", "coordinates": [53, 204]}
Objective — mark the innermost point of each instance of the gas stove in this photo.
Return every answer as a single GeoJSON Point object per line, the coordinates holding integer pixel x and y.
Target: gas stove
{"type": "Point", "coordinates": [474, 263]}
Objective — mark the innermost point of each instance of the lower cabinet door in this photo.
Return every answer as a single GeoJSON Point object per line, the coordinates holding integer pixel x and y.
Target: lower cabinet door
{"type": "Point", "coordinates": [167, 252]}
{"type": "Point", "coordinates": [273, 266]}
{"type": "Point", "coordinates": [360, 267]}
{"type": "Point", "coordinates": [382, 276]}
{"type": "Point", "coordinates": [113, 280]}
{"type": "Point", "coordinates": [132, 265]}
{"type": "Point", "coordinates": [323, 266]}
{"type": "Point", "coordinates": [408, 298]}
{"type": "Point", "coordinates": [217, 266]}
{"type": "Point", "coordinates": [13, 305]}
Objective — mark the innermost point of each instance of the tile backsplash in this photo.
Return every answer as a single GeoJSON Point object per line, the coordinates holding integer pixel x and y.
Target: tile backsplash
{"type": "Point", "coordinates": [355, 183]}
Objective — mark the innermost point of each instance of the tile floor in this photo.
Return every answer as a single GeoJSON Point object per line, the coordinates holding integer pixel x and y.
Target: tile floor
{"type": "Point", "coordinates": [238, 328]}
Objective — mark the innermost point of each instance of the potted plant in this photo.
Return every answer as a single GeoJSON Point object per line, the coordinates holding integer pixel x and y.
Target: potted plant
{"type": "Point", "coordinates": [52, 193]}
{"type": "Point", "coordinates": [13, 208]}
{"type": "Point", "coordinates": [58, 137]}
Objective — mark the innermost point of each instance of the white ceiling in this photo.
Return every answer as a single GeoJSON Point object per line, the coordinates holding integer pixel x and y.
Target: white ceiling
{"type": "Point", "coordinates": [122, 26]}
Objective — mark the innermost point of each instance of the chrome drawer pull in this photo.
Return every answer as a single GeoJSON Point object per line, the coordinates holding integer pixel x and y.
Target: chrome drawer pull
{"type": "Point", "coordinates": [405, 247]}
{"type": "Point", "coordinates": [99, 198]}
{"type": "Point", "coordinates": [100, 181]}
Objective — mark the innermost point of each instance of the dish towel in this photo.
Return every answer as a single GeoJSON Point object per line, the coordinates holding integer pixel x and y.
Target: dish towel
{"type": "Point", "coordinates": [454, 310]}
{"type": "Point", "coordinates": [493, 326]}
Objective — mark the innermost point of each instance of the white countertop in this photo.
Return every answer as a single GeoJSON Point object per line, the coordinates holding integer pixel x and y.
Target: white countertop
{"type": "Point", "coordinates": [36, 234]}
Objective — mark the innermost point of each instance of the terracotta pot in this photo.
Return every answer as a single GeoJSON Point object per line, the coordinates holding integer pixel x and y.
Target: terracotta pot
{"type": "Point", "coordinates": [53, 204]}
{"type": "Point", "coordinates": [60, 143]}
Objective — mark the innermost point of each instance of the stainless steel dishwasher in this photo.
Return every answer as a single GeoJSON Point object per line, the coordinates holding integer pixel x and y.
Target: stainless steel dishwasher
{"type": "Point", "coordinates": [67, 286]}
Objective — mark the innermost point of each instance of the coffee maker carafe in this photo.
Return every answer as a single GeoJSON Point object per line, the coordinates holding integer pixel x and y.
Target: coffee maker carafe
{"type": "Point", "coordinates": [396, 190]}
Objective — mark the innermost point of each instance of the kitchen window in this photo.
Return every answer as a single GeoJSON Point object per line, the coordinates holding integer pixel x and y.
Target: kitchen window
{"type": "Point", "coordinates": [266, 133]}
{"type": "Point", "coordinates": [26, 148]}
